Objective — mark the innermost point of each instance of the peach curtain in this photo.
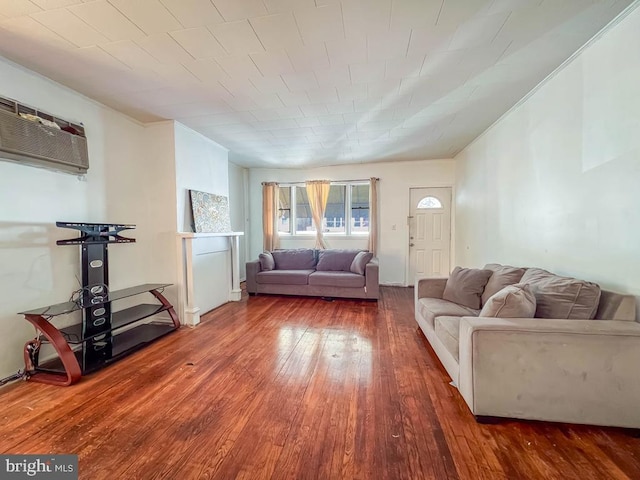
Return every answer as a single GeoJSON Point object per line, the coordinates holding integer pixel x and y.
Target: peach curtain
{"type": "Point", "coordinates": [373, 216]}
{"type": "Point", "coordinates": [318, 193]}
{"type": "Point", "coordinates": [270, 195]}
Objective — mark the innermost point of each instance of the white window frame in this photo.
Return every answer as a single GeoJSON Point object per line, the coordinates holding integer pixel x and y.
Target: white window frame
{"type": "Point", "coordinates": [347, 205]}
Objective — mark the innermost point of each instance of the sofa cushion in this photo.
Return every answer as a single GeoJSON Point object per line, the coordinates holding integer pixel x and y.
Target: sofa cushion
{"type": "Point", "coordinates": [513, 301]}
{"type": "Point", "coordinates": [335, 260]}
{"type": "Point", "coordinates": [502, 276]}
{"type": "Point", "coordinates": [284, 277]}
{"type": "Point", "coordinates": [266, 261]}
{"type": "Point", "coordinates": [430, 308]}
{"type": "Point", "coordinates": [360, 261]}
{"type": "Point", "coordinates": [448, 332]}
{"type": "Point", "coordinates": [465, 286]}
{"type": "Point", "coordinates": [336, 279]}
{"type": "Point", "coordinates": [562, 297]}
{"type": "Point", "coordinates": [294, 259]}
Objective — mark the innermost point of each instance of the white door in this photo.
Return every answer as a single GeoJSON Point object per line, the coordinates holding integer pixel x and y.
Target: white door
{"type": "Point", "coordinates": [429, 232]}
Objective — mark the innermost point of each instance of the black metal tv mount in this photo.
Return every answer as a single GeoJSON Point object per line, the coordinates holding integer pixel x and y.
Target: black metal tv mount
{"type": "Point", "coordinates": [96, 233]}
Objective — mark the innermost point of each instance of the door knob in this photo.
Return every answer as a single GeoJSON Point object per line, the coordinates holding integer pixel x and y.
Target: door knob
{"type": "Point", "coordinates": [411, 244]}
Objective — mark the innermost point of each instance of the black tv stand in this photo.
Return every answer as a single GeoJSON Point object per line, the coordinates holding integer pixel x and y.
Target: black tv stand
{"type": "Point", "coordinates": [103, 336]}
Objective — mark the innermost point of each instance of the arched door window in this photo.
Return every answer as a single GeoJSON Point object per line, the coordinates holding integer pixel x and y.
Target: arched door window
{"type": "Point", "coordinates": [429, 202]}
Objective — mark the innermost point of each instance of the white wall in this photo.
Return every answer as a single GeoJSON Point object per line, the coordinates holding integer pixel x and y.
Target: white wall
{"type": "Point", "coordinates": [35, 272]}
{"type": "Point", "coordinates": [201, 164]}
{"type": "Point", "coordinates": [157, 191]}
{"type": "Point", "coordinates": [396, 178]}
{"type": "Point", "coordinates": [555, 183]}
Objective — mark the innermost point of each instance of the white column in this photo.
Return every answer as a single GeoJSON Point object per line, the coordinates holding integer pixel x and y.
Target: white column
{"type": "Point", "coordinates": [235, 293]}
{"type": "Point", "coordinates": [191, 311]}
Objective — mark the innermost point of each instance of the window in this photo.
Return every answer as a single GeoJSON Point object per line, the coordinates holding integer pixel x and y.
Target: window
{"type": "Point", "coordinates": [429, 202]}
{"type": "Point", "coordinates": [347, 211]}
{"type": "Point", "coordinates": [304, 220]}
{"type": "Point", "coordinates": [360, 208]}
{"type": "Point", "coordinates": [335, 214]}
{"type": "Point", "coordinates": [284, 210]}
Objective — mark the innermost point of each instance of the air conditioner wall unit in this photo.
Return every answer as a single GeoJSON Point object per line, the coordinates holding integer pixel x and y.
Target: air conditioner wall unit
{"type": "Point", "coordinates": [36, 138]}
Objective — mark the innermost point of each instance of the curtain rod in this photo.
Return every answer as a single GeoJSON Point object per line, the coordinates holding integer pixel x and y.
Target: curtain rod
{"type": "Point", "coordinates": [333, 181]}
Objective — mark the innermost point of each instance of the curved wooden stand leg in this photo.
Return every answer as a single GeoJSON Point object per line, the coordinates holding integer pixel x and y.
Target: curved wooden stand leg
{"type": "Point", "coordinates": [72, 368]}
{"type": "Point", "coordinates": [165, 302]}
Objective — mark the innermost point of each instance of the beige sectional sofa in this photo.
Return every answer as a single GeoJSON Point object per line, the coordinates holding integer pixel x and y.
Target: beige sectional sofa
{"type": "Point", "coordinates": [322, 273]}
{"type": "Point", "coordinates": [580, 365]}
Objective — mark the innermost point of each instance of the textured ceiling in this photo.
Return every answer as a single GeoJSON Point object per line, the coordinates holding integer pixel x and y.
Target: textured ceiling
{"type": "Point", "coordinates": [304, 82]}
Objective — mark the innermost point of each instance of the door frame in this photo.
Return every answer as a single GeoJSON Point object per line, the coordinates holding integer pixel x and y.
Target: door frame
{"type": "Point", "coordinates": [407, 269]}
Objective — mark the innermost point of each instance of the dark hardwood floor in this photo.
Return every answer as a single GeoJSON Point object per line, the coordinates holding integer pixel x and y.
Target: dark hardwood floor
{"type": "Point", "coordinates": [296, 388]}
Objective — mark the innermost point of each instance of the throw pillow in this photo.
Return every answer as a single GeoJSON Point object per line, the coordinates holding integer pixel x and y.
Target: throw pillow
{"type": "Point", "coordinates": [513, 301]}
{"type": "Point", "coordinates": [266, 261]}
{"type": "Point", "coordinates": [360, 262]}
{"type": "Point", "coordinates": [503, 276]}
{"type": "Point", "coordinates": [465, 286]}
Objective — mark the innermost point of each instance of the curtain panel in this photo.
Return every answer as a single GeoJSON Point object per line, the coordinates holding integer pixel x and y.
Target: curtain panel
{"type": "Point", "coordinates": [270, 195]}
{"type": "Point", "coordinates": [318, 193]}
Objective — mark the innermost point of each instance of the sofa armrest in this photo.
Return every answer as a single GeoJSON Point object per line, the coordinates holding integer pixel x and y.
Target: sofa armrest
{"type": "Point", "coordinates": [577, 371]}
{"type": "Point", "coordinates": [252, 269]}
{"type": "Point", "coordinates": [430, 287]}
{"type": "Point", "coordinates": [372, 278]}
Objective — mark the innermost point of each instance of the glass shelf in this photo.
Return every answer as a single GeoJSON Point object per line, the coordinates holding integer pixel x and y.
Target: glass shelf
{"type": "Point", "coordinates": [73, 333]}
{"type": "Point", "coordinates": [118, 346]}
{"type": "Point", "coordinates": [68, 307]}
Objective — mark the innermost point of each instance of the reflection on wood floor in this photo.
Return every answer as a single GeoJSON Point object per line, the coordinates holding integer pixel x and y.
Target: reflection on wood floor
{"type": "Point", "coordinates": [296, 388]}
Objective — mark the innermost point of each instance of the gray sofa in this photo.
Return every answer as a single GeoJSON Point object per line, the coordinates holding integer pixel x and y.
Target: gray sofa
{"type": "Point", "coordinates": [577, 364]}
{"type": "Point", "coordinates": [321, 273]}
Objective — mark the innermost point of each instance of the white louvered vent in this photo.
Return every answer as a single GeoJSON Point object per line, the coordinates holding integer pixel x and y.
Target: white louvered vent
{"type": "Point", "coordinates": [31, 142]}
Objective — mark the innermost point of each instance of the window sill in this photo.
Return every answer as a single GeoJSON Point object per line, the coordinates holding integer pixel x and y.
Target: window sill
{"type": "Point", "coordinates": [326, 235]}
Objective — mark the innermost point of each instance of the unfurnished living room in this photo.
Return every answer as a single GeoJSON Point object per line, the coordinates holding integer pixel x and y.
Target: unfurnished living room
{"type": "Point", "coordinates": [329, 239]}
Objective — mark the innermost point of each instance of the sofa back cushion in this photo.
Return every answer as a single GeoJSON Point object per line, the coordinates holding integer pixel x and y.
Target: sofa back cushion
{"type": "Point", "coordinates": [513, 301]}
{"type": "Point", "coordinates": [503, 276]}
{"type": "Point", "coordinates": [360, 261]}
{"type": "Point", "coordinates": [266, 261]}
{"type": "Point", "coordinates": [562, 297]}
{"type": "Point", "coordinates": [335, 260]}
{"type": "Point", "coordinates": [294, 259]}
{"type": "Point", "coordinates": [465, 286]}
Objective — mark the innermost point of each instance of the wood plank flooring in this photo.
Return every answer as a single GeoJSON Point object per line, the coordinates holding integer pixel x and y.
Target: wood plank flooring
{"type": "Point", "coordinates": [296, 388]}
